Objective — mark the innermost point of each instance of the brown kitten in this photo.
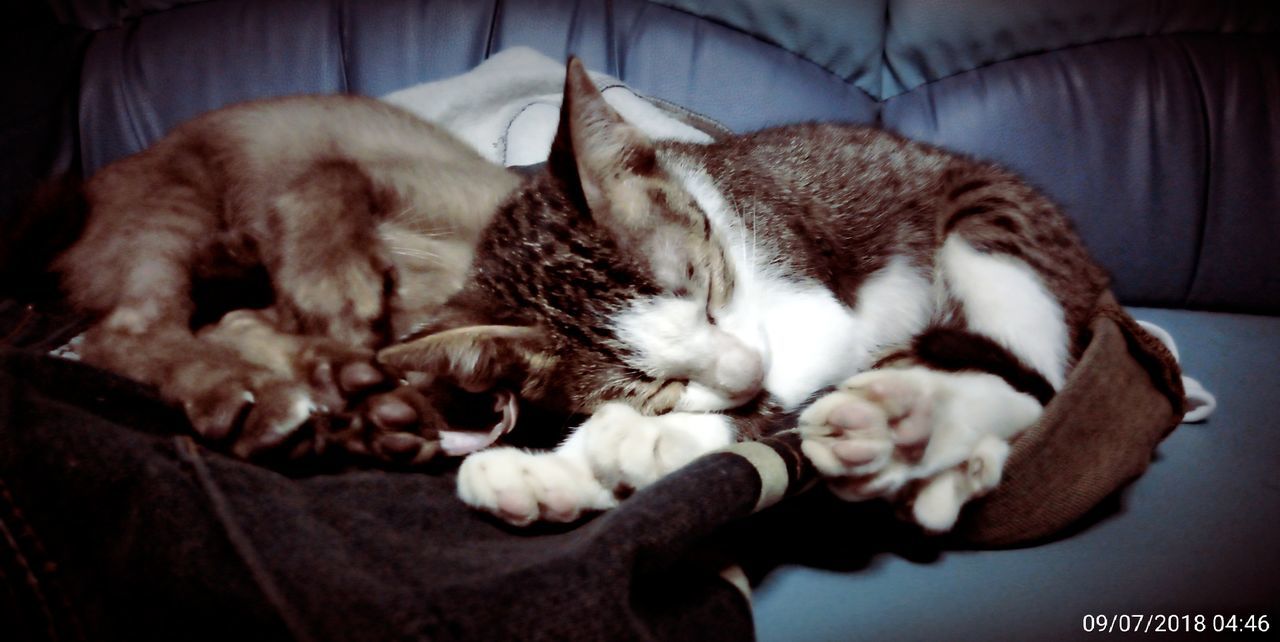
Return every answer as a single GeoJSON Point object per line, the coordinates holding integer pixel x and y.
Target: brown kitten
{"type": "Point", "coordinates": [907, 310]}
{"type": "Point", "coordinates": [363, 217]}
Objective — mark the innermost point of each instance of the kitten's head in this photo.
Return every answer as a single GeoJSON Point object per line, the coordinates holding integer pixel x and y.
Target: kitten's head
{"type": "Point", "coordinates": [600, 280]}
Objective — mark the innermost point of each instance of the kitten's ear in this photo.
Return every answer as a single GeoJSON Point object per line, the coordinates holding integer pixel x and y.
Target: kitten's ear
{"type": "Point", "coordinates": [476, 357]}
{"type": "Point", "coordinates": [612, 168]}
{"type": "Point", "coordinates": [597, 151]}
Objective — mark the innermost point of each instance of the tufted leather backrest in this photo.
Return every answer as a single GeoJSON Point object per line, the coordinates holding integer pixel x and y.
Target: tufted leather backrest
{"type": "Point", "coordinates": [1155, 124]}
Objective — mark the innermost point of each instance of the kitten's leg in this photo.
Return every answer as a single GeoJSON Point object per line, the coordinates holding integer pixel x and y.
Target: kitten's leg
{"type": "Point", "coordinates": [916, 434]}
{"type": "Point", "coordinates": [318, 240]}
{"type": "Point", "coordinates": [327, 263]}
{"type": "Point", "coordinates": [615, 450]}
{"type": "Point", "coordinates": [252, 390]}
{"type": "Point", "coordinates": [217, 389]}
{"type": "Point", "coordinates": [135, 262]}
{"type": "Point", "coordinates": [146, 236]}
{"type": "Point", "coordinates": [931, 427]}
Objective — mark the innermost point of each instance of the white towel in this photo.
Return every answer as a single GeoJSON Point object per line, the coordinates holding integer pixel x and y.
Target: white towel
{"type": "Point", "coordinates": [508, 108]}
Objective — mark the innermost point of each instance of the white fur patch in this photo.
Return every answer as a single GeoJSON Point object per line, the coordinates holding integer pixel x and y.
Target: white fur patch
{"type": "Point", "coordinates": [672, 339]}
{"type": "Point", "coordinates": [811, 338]}
{"type": "Point", "coordinates": [1006, 301]}
{"type": "Point", "coordinates": [669, 335]}
{"type": "Point", "coordinates": [807, 338]}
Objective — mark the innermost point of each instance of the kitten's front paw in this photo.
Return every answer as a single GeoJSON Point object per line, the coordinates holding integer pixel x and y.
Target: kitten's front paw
{"type": "Point", "coordinates": [272, 385]}
{"type": "Point", "coordinates": [250, 410]}
{"type": "Point", "coordinates": [629, 450]}
{"type": "Point", "coordinates": [398, 428]}
{"type": "Point", "coordinates": [216, 410]}
{"type": "Point", "coordinates": [333, 403]}
{"type": "Point", "coordinates": [932, 439]}
{"type": "Point", "coordinates": [521, 487]}
{"type": "Point", "coordinates": [264, 415]}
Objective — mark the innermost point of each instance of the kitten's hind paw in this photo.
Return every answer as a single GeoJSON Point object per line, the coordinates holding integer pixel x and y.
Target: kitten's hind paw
{"type": "Point", "coordinates": [867, 427]}
{"type": "Point", "coordinates": [522, 487]}
{"type": "Point", "coordinates": [937, 502]}
{"type": "Point", "coordinates": [931, 440]}
{"type": "Point", "coordinates": [338, 375]}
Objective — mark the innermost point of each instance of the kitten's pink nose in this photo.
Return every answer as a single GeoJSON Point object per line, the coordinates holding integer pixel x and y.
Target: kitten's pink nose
{"type": "Point", "coordinates": [739, 370]}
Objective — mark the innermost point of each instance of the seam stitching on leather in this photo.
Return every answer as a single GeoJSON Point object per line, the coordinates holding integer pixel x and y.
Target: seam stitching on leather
{"type": "Point", "coordinates": [343, 74]}
{"type": "Point", "coordinates": [1203, 219]}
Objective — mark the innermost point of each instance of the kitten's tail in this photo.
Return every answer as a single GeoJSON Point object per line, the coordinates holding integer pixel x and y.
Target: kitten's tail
{"type": "Point", "coordinates": [49, 221]}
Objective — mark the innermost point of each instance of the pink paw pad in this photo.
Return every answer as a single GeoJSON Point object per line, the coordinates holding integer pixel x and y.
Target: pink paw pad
{"type": "Point", "coordinates": [908, 408]}
{"type": "Point", "coordinates": [854, 417]}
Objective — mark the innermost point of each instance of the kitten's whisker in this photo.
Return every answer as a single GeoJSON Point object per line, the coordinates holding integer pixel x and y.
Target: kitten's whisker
{"type": "Point", "coordinates": [751, 247]}
{"type": "Point", "coordinates": [402, 213]}
{"type": "Point", "coordinates": [414, 253]}
{"type": "Point", "coordinates": [743, 256]}
{"type": "Point", "coordinates": [441, 229]}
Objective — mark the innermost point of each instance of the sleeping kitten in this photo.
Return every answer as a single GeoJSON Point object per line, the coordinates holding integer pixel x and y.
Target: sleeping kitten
{"type": "Point", "coordinates": [908, 310]}
{"type": "Point", "coordinates": [362, 215]}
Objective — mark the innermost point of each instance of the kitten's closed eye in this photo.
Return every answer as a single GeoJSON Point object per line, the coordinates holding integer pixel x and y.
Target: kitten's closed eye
{"type": "Point", "coordinates": [710, 306]}
{"type": "Point", "coordinates": [699, 287]}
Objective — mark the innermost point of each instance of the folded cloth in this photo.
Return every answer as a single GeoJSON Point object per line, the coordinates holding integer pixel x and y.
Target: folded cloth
{"type": "Point", "coordinates": [1098, 434]}
{"type": "Point", "coordinates": [508, 107]}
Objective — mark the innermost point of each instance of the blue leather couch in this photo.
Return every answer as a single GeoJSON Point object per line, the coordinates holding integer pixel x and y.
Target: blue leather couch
{"type": "Point", "coordinates": [1156, 124]}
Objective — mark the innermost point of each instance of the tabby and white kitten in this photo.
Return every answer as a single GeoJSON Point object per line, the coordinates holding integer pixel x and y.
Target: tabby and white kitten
{"type": "Point", "coordinates": [908, 310]}
{"type": "Point", "coordinates": [362, 215]}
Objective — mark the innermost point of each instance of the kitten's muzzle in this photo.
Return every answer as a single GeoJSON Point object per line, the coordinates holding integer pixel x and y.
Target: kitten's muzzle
{"type": "Point", "coordinates": [738, 371]}
{"type": "Point", "coordinates": [735, 377]}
